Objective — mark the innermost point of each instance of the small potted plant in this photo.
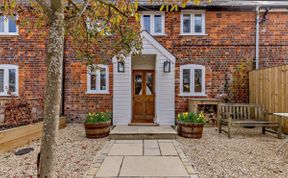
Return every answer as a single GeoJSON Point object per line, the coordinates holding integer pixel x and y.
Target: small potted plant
{"type": "Point", "coordinates": [97, 125]}
{"type": "Point", "coordinates": [190, 124]}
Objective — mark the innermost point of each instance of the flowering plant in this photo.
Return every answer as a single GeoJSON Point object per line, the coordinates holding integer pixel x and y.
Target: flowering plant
{"type": "Point", "coordinates": [98, 117]}
{"type": "Point", "coordinates": [192, 117]}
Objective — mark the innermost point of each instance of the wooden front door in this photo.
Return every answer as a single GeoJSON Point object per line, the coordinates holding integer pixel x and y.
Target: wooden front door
{"type": "Point", "coordinates": [143, 96]}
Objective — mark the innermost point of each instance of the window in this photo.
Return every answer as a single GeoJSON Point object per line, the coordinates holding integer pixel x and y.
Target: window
{"type": "Point", "coordinates": [97, 79]}
{"type": "Point", "coordinates": [8, 79]}
{"type": "Point", "coordinates": [8, 25]}
{"type": "Point", "coordinates": [153, 22]}
{"type": "Point", "coordinates": [192, 80]}
{"type": "Point", "coordinates": [192, 23]}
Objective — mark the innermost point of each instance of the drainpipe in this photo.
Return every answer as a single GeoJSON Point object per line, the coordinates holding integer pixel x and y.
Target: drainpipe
{"type": "Point", "coordinates": [63, 82]}
{"type": "Point", "coordinates": [257, 38]}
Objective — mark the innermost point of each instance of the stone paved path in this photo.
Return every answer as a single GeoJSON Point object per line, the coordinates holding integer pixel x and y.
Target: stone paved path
{"type": "Point", "coordinates": [141, 158]}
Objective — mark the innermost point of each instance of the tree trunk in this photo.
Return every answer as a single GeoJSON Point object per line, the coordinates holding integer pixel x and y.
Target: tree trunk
{"type": "Point", "coordinates": [53, 90]}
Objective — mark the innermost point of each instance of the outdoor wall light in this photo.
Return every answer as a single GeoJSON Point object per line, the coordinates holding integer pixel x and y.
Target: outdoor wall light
{"type": "Point", "coordinates": [121, 66]}
{"type": "Point", "coordinates": [167, 66]}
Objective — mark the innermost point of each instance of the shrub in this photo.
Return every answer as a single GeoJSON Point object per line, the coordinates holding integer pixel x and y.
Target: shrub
{"type": "Point", "coordinates": [192, 117]}
{"type": "Point", "coordinates": [98, 117]}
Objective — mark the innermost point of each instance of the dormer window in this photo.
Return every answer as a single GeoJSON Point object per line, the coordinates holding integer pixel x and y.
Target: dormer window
{"type": "Point", "coordinates": [153, 22]}
{"type": "Point", "coordinates": [8, 25]}
{"type": "Point", "coordinates": [192, 23]}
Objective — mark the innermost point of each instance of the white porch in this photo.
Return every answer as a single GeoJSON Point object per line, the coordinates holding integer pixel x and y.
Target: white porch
{"type": "Point", "coordinates": [164, 85]}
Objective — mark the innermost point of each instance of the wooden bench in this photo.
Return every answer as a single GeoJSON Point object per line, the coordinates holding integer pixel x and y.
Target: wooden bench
{"type": "Point", "coordinates": [245, 115]}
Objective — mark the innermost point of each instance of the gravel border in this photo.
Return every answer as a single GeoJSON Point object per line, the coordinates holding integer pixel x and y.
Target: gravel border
{"type": "Point", "coordinates": [75, 153]}
{"type": "Point", "coordinates": [247, 154]}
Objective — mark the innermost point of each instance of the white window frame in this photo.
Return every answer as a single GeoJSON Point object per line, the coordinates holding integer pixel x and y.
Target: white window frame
{"type": "Point", "coordinates": [6, 27]}
{"type": "Point", "coordinates": [192, 68]}
{"type": "Point", "coordinates": [192, 26]}
{"type": "Point", "coordinates": [152, 17]}
{"type": "Point", "coordinates": [6, 68]}
{"type": "Point", "coordinates": [97, 72]}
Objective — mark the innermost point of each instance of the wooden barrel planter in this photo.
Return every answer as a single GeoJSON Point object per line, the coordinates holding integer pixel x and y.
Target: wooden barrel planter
{"type": "Point", "coordinates": [190, 130]}
{"type": "Point", "coordinates": [97, 130]}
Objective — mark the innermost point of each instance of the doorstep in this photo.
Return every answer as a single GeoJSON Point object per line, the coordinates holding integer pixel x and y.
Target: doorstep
{"type": "Point", "coordinates": [142, 132]}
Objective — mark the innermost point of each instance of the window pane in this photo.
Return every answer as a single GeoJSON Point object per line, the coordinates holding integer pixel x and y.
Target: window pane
{"type": "Point", "coordinates": [103, 79]}
{"type": "Point", "coordinates": [198, 23]}
{"type": "Point", "coordinates": [12, 80]}
{"type": "Point", "coordinates": [1, 23]}
{"type": "Point", "coordinates": [138, 84]}
{"type": "Point", "coordinates": [149, 83]}
{"type": "Point", "coordinates": [198, 81]}
{"type": "Point", "coordinates": [158, 23]}
{"type": "Point", "coordinates": [186, 80]}
{"type": "Point", "coordinates": [186, 23]}
{"type": "Point", "coordinates": [12, 25]}
{"type": "Point", "coordinates": [147, 23]}
{"type": "Point", "coordinates": [1, 80]}
{"type": "Point", "coordinates": [93, 82]}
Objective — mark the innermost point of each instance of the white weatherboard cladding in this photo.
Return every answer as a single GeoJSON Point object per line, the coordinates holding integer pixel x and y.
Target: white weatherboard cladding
{"type": "Point", "coordinates": [164, 86]}
{"type": "Point", "coordinates": [122, 94]}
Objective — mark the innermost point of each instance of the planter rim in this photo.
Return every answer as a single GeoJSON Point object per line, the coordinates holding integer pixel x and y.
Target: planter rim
{"type": "Point", "coordinates": [107, 122]}
{"type": "Point", "coordinates": [188, 123]}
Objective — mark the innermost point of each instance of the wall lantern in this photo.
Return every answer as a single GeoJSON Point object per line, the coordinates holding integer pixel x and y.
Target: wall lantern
{"type": "Point", "coordinates": [121, 66]}
{"type": "Point", "coordinates": [167, 66]}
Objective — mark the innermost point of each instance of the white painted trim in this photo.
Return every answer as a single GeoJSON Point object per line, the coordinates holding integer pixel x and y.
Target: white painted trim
{"type": "Point", "coordinates": [192, 22]}
{"type": "Point", "coordinates": [97, 73]}
{"type": "Point", "coordinates": [158, 46]}
{"type": "Point", "coordinates": [152, 20]}
{"type": "Point", "coordinates": [6, 68]}
{"type": "Point", "coordinates": [192, 68]}
{"type": "Point", "coordinates": [6, 28]}
{"type": "Point", "coordinates": [129, 58]}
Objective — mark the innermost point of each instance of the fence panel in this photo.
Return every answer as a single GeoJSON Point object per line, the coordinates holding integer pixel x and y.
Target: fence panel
{"type": "Point", "coordinates": [269, 87]}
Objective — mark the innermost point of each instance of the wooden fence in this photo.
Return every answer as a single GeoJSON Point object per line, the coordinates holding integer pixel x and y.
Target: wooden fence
{"type": "Point", "coordinates": [269, 87]}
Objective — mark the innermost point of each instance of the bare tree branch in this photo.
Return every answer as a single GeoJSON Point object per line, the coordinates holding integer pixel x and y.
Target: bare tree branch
{"type": "Point", "coordinates": [80, 11]}
{"type": "Point", "coordinates": [46, 8]}
{"type": "Point", "coordinates": [113, 7]}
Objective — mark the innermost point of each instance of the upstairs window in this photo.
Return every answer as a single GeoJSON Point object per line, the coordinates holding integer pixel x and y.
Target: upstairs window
{"type": "Point", "coordinates": [153, 22]}
{"type": "Point", "coordinates": [97, 79]}
{"type": "Point", "coordinates": [8, 79]}
{"type": "Point", "coordinates": [8, 25]}
{"type": "Point", "coordinates": [192, 80]}
{"type": "Point", "coordinates": [192, 23]}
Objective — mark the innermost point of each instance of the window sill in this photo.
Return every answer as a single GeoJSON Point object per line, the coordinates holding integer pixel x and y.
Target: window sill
{"type": "Point", "coordinates": [159, 34]}
{"type": "Point", "coordinates": [192, 94]}
{"type": "Point", "coordinates": [97, 92]}
{"type": "Point", "coordinates": [192, 34]}
{"type": "Point", "coordinates": [8, 34]}
{"type": "Point", "coordinates": [8, 96]}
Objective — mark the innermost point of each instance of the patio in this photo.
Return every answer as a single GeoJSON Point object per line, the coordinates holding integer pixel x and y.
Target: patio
{"type": "Point", "coordinates": [248, 154]}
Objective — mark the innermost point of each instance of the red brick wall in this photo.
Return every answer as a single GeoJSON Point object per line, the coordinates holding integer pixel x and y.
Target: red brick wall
{"type": "Point", "coordinates": [227, 52]}
{"type": "Point", "coordinates": [28, 51]}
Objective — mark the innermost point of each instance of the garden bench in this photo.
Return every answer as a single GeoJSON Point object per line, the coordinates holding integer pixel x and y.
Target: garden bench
{"type": "Point", "coordinates": [245, 115]}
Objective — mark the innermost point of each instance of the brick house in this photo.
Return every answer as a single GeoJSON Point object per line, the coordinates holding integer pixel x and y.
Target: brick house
{"type": "Point", "coordinates": [202, 51]}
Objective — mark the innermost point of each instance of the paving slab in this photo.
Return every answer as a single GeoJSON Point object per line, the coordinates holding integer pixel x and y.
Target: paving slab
{"type": "Point", "coordinates": [110, 166]}
{"type": "Point", "coordinates": [128, 141]}
{"type": "Point", "coordinates": [168, 149]}
{"type": "Point", "coordinates": [126, 149]}
{"type": "Point", "coordinates": [151, 147]}
{"type": "Point", "coordinates": [142, 159]}
{"type": "Point", "coordinates": [152, 166]}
